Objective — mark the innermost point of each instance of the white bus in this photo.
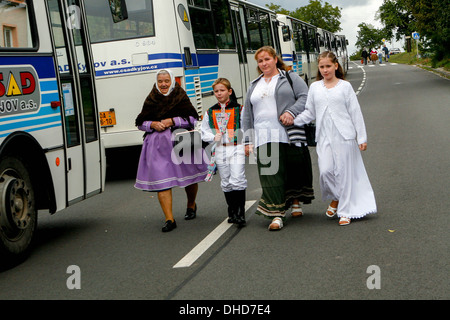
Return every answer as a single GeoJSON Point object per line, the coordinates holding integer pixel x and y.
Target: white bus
{"type": "Point", "coordinates": [51, 154]}
{"type": "Point", "coordinates": [198, 40]}
{"type": "Point", "coordinates": [299, 46]}
{"type": "Point", "coordinates": [328, 41]}
{"type": "Point", "coordinates": [342, 52]}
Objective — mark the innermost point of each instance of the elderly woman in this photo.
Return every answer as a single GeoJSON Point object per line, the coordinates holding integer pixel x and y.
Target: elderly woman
{"type": "Point", "coordinates": [167, 108]}
{"type": "Point", "coordinates": [283, 159]}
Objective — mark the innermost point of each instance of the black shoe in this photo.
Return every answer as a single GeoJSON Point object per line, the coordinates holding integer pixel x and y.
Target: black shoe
{"type": "Point", "coordinates": [190, 213]}
{"type": "Point", "coordinates": [169, 226]}
{"type": "Point", "coordinates": [240, 214]}
{"type": "Point", "coordinates": [229, 197]}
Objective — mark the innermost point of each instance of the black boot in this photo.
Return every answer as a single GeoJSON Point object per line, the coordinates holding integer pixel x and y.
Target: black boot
{"type": "Point", "coordinates": [229, 197]}
{"type": "Point", "coordinates": [240, 203]}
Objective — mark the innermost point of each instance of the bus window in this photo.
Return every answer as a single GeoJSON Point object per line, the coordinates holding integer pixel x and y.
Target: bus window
{"type": "Point", "coordinates": [202, 26]}
{"type": "Point", "coordinates": [211, 24]}
{"type": "Point", "coordinates": [140, 22]}
{"type": "Point", "coordinates": [298, 38]}
{"type": "Point", "coordinates": [66, 73]}
{"type": "Point", "coordinates": [266, 32]}
{"type": "Point", "coordinates": [222, 23]}
{"type": "Point", "coordinates": [312, 40]}
{"type": "Point", "coordinates": [85, 78]}
{"type": "Point", "coordinates": [15, 27]}
{"type": "Point", "coordinates": [253, 30]}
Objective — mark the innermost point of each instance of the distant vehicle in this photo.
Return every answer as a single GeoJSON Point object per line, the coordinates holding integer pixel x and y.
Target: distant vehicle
{"type": "Point", "coordinates": [395, 51]}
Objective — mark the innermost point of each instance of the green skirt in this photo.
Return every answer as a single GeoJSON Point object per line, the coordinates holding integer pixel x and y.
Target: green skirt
{"type": "Point", "coordinates": [285, 174]}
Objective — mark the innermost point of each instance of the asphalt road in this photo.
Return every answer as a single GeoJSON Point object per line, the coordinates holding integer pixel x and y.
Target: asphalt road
{"type": "Point", "coordinates": [402, 252]}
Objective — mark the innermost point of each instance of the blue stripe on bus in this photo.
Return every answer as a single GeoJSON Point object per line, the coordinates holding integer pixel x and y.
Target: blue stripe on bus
{"type": "Point", "coordinates": [206, 60]}
{"type": "Point", "coordinates": [167, 55]}
{"type": "Point", "coordinates": [48, 97]}
{"type": "Point", "coordinates": [206, 77]}
{"type": "Point", "coordinates": [50, 126]}
{"type": "Point", "coordinates": [31, 123]}
{"type": "Point", "coordinates": [44, 65]}
{"type": "Point", "coordinates": [43, 111]}
{"type": "Point", "coordinates": [49, 85]}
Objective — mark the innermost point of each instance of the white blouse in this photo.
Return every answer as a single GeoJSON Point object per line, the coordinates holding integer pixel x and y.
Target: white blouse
{"type": "Point", "coordinates": [266, 121]}
{"type": "Point", "coordinates": [342, 105]}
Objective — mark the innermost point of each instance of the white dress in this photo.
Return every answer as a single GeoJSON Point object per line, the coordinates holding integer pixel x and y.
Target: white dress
{"type": "Point", "coordinates": [343, 176]}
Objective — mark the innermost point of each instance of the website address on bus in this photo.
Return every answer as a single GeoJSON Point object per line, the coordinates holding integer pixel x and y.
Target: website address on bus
{"type": "Point", "coordinates": [142, 68]}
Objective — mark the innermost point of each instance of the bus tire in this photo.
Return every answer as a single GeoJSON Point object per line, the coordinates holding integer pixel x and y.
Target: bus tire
{"type": "Point", "coordinates": [18, 214]}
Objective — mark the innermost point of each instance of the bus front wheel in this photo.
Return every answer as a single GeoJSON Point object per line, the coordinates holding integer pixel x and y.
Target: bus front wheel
{"type": "Point", "coordinates": [18, 214]}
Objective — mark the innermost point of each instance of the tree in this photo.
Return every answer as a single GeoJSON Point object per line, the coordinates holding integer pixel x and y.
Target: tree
{"type": "Point", "coordinates": [278, 9]}
{"type": "Point", "coordinates": [397, 18]}
{"type": "Point", "coordinates": [431, 18]}
{"type": "Point", "coordinates": [369, 36]}
{"type": "Point", "coordinates": [326, 17]}
{"type": "Point", "coordinates": [323, 16]}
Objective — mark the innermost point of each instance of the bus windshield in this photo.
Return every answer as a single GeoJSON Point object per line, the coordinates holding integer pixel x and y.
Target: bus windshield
{"type": "Point", "coordinates": [102, 28]}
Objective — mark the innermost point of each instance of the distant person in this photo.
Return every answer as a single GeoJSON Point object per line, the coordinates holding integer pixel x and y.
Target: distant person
{"type": "Point", "coordinates": [341, 136]}
{"type": "Point", "coordinates": [166, 108]}
{"type": "Point", "coordinates": [386, 53]}
{"type": "Point", "coordinates": [380, 55]}
{"type": "Point", "coordinates": [373, 56]}
{"type": "Point", "coordinates": [365, 55]}
{"type": "Point", "coordinates": [221, 124]}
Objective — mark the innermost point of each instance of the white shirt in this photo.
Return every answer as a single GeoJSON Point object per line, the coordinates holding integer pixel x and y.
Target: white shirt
{"type": "Point", "coordinates": [266, 121]}
{"type": "Point", "coordinates": [342, 105]}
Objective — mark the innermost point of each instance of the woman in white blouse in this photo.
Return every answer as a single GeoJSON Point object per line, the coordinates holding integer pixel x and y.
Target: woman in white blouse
{"type": "Point", "coordinates": [340, 135]}
{"type": "Point", "coordinates": [283, 159]}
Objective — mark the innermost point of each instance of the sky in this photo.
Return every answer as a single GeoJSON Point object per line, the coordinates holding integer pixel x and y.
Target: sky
{"type": "Point", "coordinates": [353, 13]}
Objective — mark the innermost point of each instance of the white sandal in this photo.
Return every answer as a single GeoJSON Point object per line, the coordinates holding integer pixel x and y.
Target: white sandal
{"type": "Point", "coordinates": [332, 212]}
{"type": "Point", "coordinates": [276, 224]}
{"type": "Point", "coordinates": [296, 210]}
{"type": "Point", "coordinates": [344, 221]}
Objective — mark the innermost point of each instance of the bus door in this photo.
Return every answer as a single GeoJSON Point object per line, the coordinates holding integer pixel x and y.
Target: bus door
{"type": "Point", "coordinates": [238, 17]}
{"type": "Point", "coordinates": [78, 104]}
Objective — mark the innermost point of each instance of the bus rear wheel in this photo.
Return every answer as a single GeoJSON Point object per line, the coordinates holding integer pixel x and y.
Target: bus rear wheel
{"type": "Point", "coordinates": [18, 214]}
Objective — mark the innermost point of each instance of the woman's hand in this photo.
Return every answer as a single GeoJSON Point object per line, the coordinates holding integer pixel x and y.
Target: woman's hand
{"type": "Point", "coordinates": [363, 146]}
{"type": "Point", "coordinates": [168, 122]}
{"type": "Point", "coordinates": [158, 126]}
{"type": "Point", "coordinates": [248, 149]}
{"type": "Point", "coordinates": [287, 119]}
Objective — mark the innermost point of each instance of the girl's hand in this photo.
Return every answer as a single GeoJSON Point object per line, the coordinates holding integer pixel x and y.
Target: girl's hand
{"type": "Point", "coordinates": [218, 136]}
{"type": "Point", "coordinates": [363, 146]}
{"type": "Point", "coordinates": [248, 149]}
{"type": "Point", "coordinates": [287, 119]}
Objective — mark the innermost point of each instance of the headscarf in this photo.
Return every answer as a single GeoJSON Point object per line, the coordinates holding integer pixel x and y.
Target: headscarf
{"type": "Point", "coordinates": [175, 103]}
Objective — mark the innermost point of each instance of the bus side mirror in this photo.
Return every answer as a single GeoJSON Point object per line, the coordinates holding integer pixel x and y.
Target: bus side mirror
{"type": "Point", "coordinates": [119, 10]}
{"type": "Point", "coordinates": [286, 33]}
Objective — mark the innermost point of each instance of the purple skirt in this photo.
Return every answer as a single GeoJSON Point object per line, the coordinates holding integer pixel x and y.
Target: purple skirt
{"type": "Point", "coordinates": [159, 168]}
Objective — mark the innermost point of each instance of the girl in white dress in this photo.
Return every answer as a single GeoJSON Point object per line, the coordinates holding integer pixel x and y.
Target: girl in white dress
{"type": "Point", "coordinates": [341, 136]}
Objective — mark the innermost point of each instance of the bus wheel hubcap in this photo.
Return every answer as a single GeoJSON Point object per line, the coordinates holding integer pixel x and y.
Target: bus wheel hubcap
{"type": "Point", "coordinates": [16, 204]}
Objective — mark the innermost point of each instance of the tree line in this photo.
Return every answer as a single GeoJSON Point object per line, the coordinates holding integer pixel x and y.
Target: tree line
{"type": "Point", "coordinates": [400, 18]}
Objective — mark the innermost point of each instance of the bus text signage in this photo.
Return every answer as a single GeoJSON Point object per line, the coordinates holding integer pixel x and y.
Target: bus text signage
{"type": "Point", "coordinates": [19, 90]}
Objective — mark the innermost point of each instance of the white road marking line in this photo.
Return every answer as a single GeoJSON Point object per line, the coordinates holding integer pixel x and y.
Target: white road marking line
{"type": "Point", "coordinates": [206, 243]}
